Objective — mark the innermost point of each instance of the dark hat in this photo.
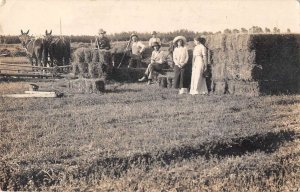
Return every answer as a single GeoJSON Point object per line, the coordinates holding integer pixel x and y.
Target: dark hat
{"type": "Point", "coordinates": [33, 87]}
{"type": "Point", "coordinates": [201, 39]}
{"type": "Point", "coordinates": [155, 44]}
{"type": "Point", "coordinates": [154, 33]}
{"type": "Point", "coordinates": [101, 31]}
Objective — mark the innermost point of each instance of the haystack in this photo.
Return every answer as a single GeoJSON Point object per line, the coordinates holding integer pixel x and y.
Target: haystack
{"type": "Point", "coordinates": [241, 62]}
{"type": "Point", "coordinates": [91, 63]}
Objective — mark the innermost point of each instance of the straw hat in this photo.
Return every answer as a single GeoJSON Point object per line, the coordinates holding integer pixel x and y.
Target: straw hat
{"type": "Point", "coordinates": [101, 31]}
{"type": "Point", "coordinates": [179, 38]}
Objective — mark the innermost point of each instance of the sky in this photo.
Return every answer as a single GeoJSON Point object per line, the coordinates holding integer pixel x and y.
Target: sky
{"type": "Point", "coordinates": [85, 17]}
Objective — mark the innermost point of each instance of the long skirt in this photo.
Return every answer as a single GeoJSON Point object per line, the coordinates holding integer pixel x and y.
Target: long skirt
{"type": "Point", "coordinates": [198, 81]}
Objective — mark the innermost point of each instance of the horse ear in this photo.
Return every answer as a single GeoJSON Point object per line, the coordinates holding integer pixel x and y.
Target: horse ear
{"type": "Point", "coordinates": [21, 31]}
{"type": "Point", "coordinates": [27, 32]}
{"type": "Point", "coordinates": [46, 32]}
{"type": "Point", "coordinates": [50, 32]}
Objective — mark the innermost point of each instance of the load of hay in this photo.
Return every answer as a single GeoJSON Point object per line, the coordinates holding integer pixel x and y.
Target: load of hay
{"type": "Point", "coordinates": [92, 63]}
{"type": "Point", "coordinates": [254, 64]}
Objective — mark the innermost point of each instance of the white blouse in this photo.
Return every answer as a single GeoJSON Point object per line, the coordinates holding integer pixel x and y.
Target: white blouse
{"type": "Point", "coordinates": [199, 50]}
{"type": "Point", "coordinates": [180, 56]}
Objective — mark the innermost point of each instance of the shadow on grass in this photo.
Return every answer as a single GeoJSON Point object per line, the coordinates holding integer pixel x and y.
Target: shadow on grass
{"type": "Point", "coordinates": [287, 102]}
{"type": "Point", "coordinates": [115, 167]}
{"type": "Point", "coordinates": [11, 79]}
{"type": "Point", "coordinates": [122, 91]}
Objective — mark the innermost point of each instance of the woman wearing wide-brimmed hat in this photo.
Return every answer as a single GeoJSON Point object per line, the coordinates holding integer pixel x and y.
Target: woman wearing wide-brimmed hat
{"type": "Point", "coordinates": [158, 63]}
{"type": "Point", "coordinates": [180, 58]}
{"type": "Point", "coordinates": [198, 80]}
{"type": "Point", "coordinates": [137, 48]}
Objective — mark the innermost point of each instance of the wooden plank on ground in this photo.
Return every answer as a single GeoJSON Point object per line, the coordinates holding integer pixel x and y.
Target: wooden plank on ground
{"type": "Point", "coordinates": [16, 65]}
{"type": "Point", "coordinates": [38, 94]}
{"type": "Point", "coordinates": [42, 92]}
{"type": "Point", "coordinates": [27, 75]}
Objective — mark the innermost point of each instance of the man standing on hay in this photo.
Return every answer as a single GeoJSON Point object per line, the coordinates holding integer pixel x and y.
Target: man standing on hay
{"type": "Point", "coordinates": [137, 48]}
{"type": "Point", "coordinates": [103, 45]}
{"type": "Point", "coordinates": [154, 39]}
{"type": "Point", "coordinates": [158, 63]}
{"type": "Point", "coordinates": [102, 42]}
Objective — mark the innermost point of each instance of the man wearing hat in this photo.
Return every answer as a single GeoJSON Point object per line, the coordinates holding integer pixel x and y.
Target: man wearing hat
{"type": "Point", "coordinates": [102, 42]}
{"type": "Point", "coordinates": [137, 48]}
{"type": "Point", "coordinates": [103, 45]}
{"type": "Point", "coordinates": [158, 62]}
{"type": "Point", "coordinates": [153, 39]}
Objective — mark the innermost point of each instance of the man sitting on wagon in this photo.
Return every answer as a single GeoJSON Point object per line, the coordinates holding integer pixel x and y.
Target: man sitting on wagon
{"type": "Point", "coordinates": [158, 63]}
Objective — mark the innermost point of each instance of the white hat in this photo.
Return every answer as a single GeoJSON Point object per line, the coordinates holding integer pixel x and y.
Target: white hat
{"type": "Point", "coordinates": [179, 38]}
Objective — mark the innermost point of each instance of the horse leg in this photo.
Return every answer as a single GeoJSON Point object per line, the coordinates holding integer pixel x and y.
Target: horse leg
{"type": "Point", "coordinates": [31, 62]}
{"type": "Point", "coordinates": [51, 60]}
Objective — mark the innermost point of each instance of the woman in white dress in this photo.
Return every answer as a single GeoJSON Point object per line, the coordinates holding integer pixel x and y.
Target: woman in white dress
{"type": "Point", "coordinates": [198, 81]}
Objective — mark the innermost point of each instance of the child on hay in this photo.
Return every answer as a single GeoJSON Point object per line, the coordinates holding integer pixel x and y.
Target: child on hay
{"type": "Point", "coordinates": [154, 39]}
{"type": "Point", "coordinates": [158, 63]}
{"type": "Point", "coordinates": [180, 58]}
{"type": "Point", "coordinates": [198, 80]}
{"type": "Point", "coordinates": [137, 48]}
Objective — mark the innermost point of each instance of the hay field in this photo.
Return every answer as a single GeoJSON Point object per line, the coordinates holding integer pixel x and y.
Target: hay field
{"type": "Point", "coordinates": [142, 138]}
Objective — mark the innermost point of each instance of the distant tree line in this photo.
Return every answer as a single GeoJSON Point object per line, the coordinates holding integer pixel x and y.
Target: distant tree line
{"type": "Point", "coordinates": [165, 36]}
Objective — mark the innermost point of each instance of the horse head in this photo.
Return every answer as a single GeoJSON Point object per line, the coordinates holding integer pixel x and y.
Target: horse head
{"type": "Point", "coordinates": [48, 36]}
{"type": "Point", "coordinates": [24, 38]}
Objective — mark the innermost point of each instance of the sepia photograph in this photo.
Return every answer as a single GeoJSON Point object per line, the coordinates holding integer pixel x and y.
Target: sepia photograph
{"type": "Point", "coordinates": [150, 95]}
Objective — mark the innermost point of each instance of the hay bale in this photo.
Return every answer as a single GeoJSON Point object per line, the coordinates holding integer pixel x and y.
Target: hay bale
{"type": "Point", "coordinates": [219, 87]}
{"type": "Point", "coordinates": [258, 57]}
{"type": "Point", "coordinates": [92, 63]}
{"type": "Point", "coordinates": [216, 41]}
{"type": "Point", "coordinates": [249, 88]}
{"type": "Point", "coordinates": [162, 81]}
{"type": "Point", "coordinates": [83, 85]}
{"type": "Point", "coordinates": [218, 72]}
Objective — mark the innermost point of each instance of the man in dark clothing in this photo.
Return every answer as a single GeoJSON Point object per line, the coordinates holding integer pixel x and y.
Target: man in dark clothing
{"type": "Point", "coordinates": [103, 45]}
{"type": "Point", "coordinates": [102, 42]}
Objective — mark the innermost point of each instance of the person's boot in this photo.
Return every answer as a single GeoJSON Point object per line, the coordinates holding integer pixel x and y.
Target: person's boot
{"type": "Point", "coordinates": [144, 78]}
{"type": "Point", "coordinates": [149, 82]}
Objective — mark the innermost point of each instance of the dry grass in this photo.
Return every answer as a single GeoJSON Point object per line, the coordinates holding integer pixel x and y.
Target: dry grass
{"type": "Point", "coordinates": [145, 138]}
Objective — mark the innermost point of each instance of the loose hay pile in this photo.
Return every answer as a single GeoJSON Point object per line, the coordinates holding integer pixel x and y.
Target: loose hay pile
{"type": "Point", "coordinates": [255, 64]}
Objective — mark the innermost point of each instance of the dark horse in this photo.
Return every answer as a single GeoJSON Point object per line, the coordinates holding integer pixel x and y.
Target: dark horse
{"type": "Point", "coordinates": [34, 48]}
{"type": "Point", "coordinates": [58, 49]}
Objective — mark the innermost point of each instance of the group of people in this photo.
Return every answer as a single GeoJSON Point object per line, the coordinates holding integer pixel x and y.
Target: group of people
{"type": "Point", "coordinates": [196, 82]}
